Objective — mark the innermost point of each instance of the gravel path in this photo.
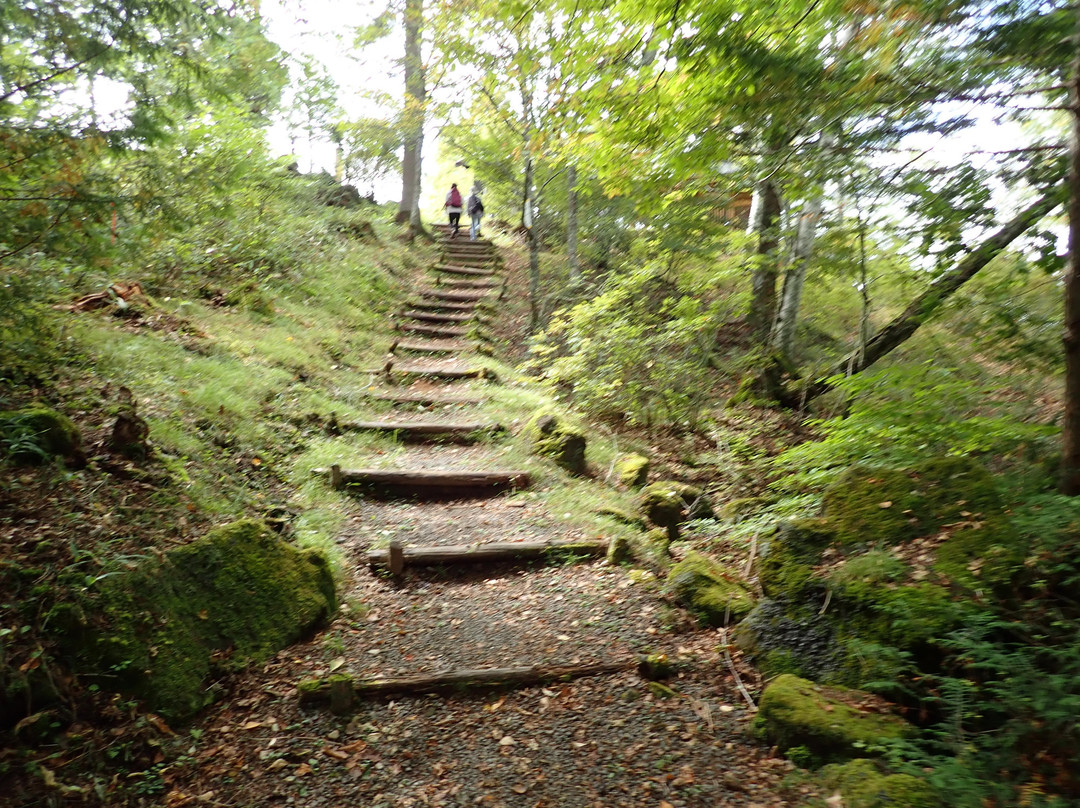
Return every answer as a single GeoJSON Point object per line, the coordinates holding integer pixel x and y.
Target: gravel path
{"type": "Point", "coordinates": [610, 741]}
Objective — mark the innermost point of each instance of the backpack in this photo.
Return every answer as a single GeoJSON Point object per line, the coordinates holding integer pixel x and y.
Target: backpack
{"type": "Point", "coordinates": [455, 198]}
{"type": "Point", "coordinates": [475, 205]}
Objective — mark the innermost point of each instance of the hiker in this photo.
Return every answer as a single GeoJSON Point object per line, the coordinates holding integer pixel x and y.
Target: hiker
{"type": "Point", "coordinates": [476, 211]}
{"type": "Point", "coordinates": [453, 207]}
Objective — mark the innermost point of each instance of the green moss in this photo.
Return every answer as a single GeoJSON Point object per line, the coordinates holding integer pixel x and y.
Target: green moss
{"type": "Point", "coordinates": [619, 550]}
{"type": "Point", "coordinates": [233, 597]}
{"type": "Point", "coordinates": [872, 568]}
{"type": "Point", "coordinates": [32, 434]}
{"type": "Point", "coordinates": [981, 556]}
{"type": "Point", "coordinates": [650, 549]}
{"type": "Point", "coordinates": [785, 569]}
{"type": "Point", "coordinates": [863, 785]}
{"type": "Point", "coordinates": [668, 504]}
{"type": "Point", "coordinates": [869, 505]}
{"type": "Point", "coordinates": [708, 590]}
{"type": "Point", "coordinates": [550, 436]}
{"type": "Point", "coordinates": [796, 712]}
{"type": "Point", "coordinates": [632, 470]}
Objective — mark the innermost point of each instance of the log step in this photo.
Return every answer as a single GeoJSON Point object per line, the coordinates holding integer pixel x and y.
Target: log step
{"type": "Point", "coordinates": [458, 295]}
{"type": "Point", "coordinates": [445, 305]}
{"type": "Point", "coordinates": [454, 283]}
{"type": "Point", "coordinates": [431, 346]}
{"type": "Point", "coordinates": [427, 556]}
{"type": "Point", "coordinates": [413, 431]}
{"type": "Point", "coordinates": [341, 692]}
{"type": "Point", "coordinates": [470, 270]}
{"type": "Point", "coordinates": [438, 317]}
{"type": "Point", "coordinates": [426, 398]}
{"type": "Point", "coordinates": [438, 332]}
{"type": "Point", "coordinates": [443, 369]}
{"type": "Point", "coordinates": [433, 484]}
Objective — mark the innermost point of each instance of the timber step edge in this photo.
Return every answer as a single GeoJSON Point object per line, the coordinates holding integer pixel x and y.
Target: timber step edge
{"type": "Point", "coordinates": [457, 484]}
{"type": "Point", "coordinates": [435, 555]}
{"type": "Point", "coordinates": [418, 431]}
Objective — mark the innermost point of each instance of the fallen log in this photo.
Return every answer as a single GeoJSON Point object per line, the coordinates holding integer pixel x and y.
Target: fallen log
{"type": "Point", "coordinates": [318, 691]}
{"type": "Point", "coordinates": [450, 483]}
{"type": "Point", "coordinates": [430, 556]}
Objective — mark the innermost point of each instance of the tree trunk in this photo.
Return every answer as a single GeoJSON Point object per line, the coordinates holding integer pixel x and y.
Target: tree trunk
{"type": "Point", "coordinates": [572, 227]}
{"type": "Point", "coordinates": [904, 325]}
{"type": "Point", "coordinates": [766, 226]}
{"type": "Point", "coordinates": [1070, 432]}
{"type": "Point", "coordinates": [412, 118]}
{"type": "Point", "coordinates": [783, 336]}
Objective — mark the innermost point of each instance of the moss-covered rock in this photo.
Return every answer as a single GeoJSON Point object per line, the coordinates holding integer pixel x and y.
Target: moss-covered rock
{"type": "Point", "coordinates": [708, 590]}
{"type": "Point", "coordinates": [668, 504]}
{"type": "Point", "coordinates": [863, 784]}
{"type": "Point", "coordinates": [869, 505]}
{"type": "Point", "coordinates": [633, 470]}
{"type": "Point", "coordinates": [233, 597]}
{"type": "Point", "coordinates": [552, 437]}
{"type": "Point", "coordinates": [831, 722]}
{"type": "Point", "coordinates": [619, 550]}
{"type": "Point", "coordinates": [651, 550]}
{"type": "Point", "coordinates": [788, 558]}
{"type": "Point", "coordinates": [34, 434]}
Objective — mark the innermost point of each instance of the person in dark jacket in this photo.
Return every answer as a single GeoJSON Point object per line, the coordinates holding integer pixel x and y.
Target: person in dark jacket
{"type": "Point", "coordinates": [476, 211]}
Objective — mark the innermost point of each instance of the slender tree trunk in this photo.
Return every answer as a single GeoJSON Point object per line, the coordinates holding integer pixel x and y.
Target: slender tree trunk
{"type": "Point", "coordinates": [767, 227]}
{"type": "Point", "coordinates": [783, 336]}
{"type": "Point", "coordinates": [527, 216]}
{"type": "Point", "coordinates": [572, 226]}
{"type": "Point", "coordinates": [904, 325]}
{"type": "Point", "coordinates": [1070, 432]}
{"type": "Point", "coordinates": [412, 114]}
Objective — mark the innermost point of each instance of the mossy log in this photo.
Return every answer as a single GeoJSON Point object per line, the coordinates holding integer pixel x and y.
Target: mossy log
{"type": "Point", "coordinates": [316, 692]}
{"type": "Point", "coordinates": [428, 556]}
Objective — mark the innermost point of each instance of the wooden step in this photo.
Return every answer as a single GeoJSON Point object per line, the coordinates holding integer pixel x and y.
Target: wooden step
{"type": "Point", "coordinates": [425, 397]}
{"type": "Point", "coordinates": [461, 269]}
{"type": "Point", "coordinates": [340, 692]}
{"type": "Point", "coordinates": [459, 295]}
{"type": "Point", "coordinates": [436, 484]}
{"type": "Point", "coordinates": [446, 305]}
{"type": "Point", "coordinates": [456, 283]}
{"type": "Point", "coordinates": [431, 346]}
{"type": "Point", "coordinates": [429, 556]}
{"type": "Point", "coordinates": [438, 317]}
{"type": "Point", "coordinates": [435, 331]}
{"type": "Point", "coordinates": [439, 368]}
{"type": "Point", "coordinates": [421, 431]}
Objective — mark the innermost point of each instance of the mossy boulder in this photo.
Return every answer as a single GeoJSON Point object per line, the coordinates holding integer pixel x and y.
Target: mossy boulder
{"type": "Point", "coordinates": [831, 723]}
{"type": "Point", "coordinates": [550, 436]}
{"type": "Point", "coordinates": [869, 505]}
{"type": "Point", "coordinates": [651, 550]}
{"type": "Point", "coordinates": [34, 434]}
{"type": "Point", "coordinates": [708, 590]}
{"type": "Point", "coordinates": [233, 597]}
{"type": "Point", "coordinates": [632, 470]}
{"type": "Point", "coordinates": [668, 504]}
{"type": "Point", "coordinates": [619, 550]}
{"type": "Point", "coordinates": [788, 558]}
{"type": "Point", "coordinates": [863, 784]}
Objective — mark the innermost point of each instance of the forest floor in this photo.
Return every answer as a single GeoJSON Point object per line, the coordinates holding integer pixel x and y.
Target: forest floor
{"type": "Point", "coordinates": [611, 740]}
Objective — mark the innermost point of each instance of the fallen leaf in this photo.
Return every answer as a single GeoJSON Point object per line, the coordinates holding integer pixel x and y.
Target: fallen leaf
{"type": "Point", "coordinates": [280, 763]}
{"type": "Point", "coordinates": [835, 801]}
{"type": "Point", "coordinates": [885, 504]}
{"type": "Point", "coordinates": [507, 741]}
{"type": "Point", "coordinates": [337, 663]}
{"type": "Point", "coordinates": [518, 788]}
{"type": "Point", "coordinates": [666, 804]}
{"type": "Point", "coordinates": [253, 725]}
{"type": "Point", "coordinates": [303, 769]}
{"type": "Point", "coordinates": [685, 776]}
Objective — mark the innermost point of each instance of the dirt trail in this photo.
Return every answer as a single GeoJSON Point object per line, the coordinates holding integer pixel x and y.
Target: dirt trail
{"type": "Point", "coordinates": [612, 740]}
